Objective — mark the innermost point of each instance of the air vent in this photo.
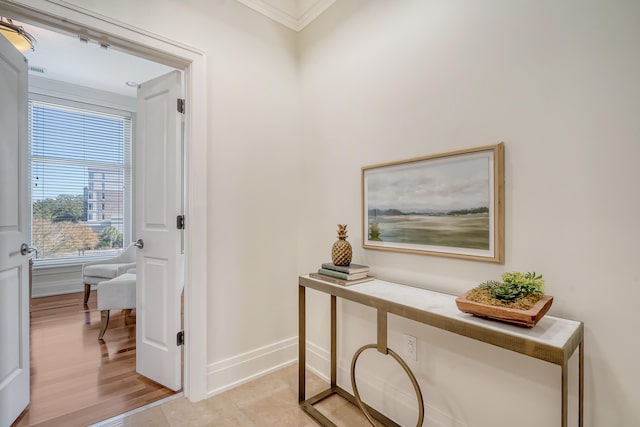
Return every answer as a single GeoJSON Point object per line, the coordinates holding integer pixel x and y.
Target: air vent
{"type": "Point", "coordinates": [38, 70]}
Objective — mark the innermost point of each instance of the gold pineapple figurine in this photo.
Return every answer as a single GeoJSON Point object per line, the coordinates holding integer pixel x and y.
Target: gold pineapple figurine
{"type": "Point", "coordinates": [341, 252]}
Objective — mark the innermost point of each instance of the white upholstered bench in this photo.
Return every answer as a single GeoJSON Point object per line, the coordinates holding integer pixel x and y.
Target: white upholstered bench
{"type": "Point", "coordinates": [116, 294]}
{"type": "Point", "coordinates": [99, 271]}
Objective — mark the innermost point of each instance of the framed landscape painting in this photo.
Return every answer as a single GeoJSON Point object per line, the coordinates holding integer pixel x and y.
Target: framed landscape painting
{"type": "Point", "coordinates": [449, 204]}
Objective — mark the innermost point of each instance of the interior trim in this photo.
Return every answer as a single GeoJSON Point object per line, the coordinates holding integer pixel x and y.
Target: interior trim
{"type": "Point", "coordinates": [293, 16]}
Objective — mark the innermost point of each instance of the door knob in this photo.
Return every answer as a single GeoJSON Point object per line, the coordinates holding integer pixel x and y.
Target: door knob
{"type": "Point", "coordinates": [27, 250]}
{"type": "Point", "coordinates": [139, 244]}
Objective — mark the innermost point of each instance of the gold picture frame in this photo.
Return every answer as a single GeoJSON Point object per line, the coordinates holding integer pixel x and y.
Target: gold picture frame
{"type": "Point", "coordinates": [449, 204]}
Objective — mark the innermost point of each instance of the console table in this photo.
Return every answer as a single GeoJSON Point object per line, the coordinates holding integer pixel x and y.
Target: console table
{"type": "Point", "coordinates": [553, 339]}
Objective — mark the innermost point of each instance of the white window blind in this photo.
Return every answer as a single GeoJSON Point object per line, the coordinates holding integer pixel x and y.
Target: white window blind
{"type": "Point", "coordinates": [80, 172]}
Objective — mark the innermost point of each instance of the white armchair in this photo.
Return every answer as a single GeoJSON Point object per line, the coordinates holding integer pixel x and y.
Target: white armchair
{"type": "Point", "coordinates": [99, 271]}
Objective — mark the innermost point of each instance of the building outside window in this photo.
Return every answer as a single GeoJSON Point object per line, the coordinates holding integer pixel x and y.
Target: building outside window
{"type": "Point", "coordinates": [70, 147]}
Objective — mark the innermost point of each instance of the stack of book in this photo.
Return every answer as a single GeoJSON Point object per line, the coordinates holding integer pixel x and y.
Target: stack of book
{"type": "Point", "coordinates": [343, 275]}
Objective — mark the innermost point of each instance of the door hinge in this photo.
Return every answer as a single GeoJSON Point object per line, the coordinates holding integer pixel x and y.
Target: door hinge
{"type": "Point", "coordinates": [180, 338]}
{"type": "Point", "coordinates": [180, 105]}
{"type": "Point", "coordinates": [180, 222]}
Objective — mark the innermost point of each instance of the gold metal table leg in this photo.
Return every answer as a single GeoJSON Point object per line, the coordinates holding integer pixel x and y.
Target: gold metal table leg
{"type": "Point", "coordinates": [565, 393]}
{"type": "Point", "coordinates": [302, 340]}
{"type": "Point", "coordinates": [307, 404]}
{"type": "Point", "coordinates": [581, 384]}
{"type": "Point", "coordinates": [334, 334]}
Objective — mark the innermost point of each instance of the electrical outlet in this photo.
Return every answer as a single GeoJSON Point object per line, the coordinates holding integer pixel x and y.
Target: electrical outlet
{"type": "Point", "coordinates": [410, 347]}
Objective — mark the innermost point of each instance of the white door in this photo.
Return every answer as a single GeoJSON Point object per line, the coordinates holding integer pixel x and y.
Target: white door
{"type": "Point", "coordinates": [14, 226]}
{"type": "Point", "coordinates": [158, 199]}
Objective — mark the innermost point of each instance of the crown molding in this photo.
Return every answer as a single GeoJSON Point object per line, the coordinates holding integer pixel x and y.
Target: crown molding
{"type": "Point", "coordinates": [293, 14]}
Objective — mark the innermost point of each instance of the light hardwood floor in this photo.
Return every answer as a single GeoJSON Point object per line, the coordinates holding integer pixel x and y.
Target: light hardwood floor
{"type": "Point", "coordinates": [77, 380]}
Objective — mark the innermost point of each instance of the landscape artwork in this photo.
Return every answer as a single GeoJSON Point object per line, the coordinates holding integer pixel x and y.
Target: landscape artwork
{"type": "Point", "coordinates": [448, 204]}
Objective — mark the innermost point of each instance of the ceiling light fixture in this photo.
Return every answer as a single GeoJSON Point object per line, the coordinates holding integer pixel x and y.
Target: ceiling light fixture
{"type": "Point", "coordinates": [16, 35]}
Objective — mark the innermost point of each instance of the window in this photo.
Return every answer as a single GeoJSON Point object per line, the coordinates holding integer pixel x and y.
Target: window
{"type": "Point", "coordinates": [70, 147]}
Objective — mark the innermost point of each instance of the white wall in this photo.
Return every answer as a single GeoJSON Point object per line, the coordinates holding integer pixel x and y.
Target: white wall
{"type": "Point", "coordinates": [558, 83]}
{"type": "Point", "coordinates": [381, 81]}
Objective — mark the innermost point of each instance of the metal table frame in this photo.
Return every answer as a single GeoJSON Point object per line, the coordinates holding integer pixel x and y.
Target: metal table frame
{"type": "Point", "coordinates": [470, 327]}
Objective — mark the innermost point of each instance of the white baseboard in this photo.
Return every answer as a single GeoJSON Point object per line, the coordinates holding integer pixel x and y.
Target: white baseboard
{"type": "Point", "coordinates": [318, 361]}
{"type": "Point", "coordinates": [237, 370]}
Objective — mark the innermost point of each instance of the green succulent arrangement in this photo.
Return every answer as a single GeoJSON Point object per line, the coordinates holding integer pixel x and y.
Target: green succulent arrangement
{"type": "Point", "coordinates": [514, 285]}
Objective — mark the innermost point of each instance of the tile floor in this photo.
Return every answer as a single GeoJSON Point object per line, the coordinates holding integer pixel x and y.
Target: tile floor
{"type": "Point", "coordinates": [271, 400]}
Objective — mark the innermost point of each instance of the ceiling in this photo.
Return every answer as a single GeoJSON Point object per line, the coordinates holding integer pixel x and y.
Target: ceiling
{"type": "Point", "coordinates": [66, 58]}
{"type": "Point", "coordinates": [69, 59]}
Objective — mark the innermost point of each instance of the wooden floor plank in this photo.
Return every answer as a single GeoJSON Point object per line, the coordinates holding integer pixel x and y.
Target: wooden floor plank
{"type": "Point", "coordinates": [75, 379]}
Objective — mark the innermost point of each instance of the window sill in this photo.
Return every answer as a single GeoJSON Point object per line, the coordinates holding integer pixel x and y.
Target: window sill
{"type": "Point", "coordinates": [66, 263]}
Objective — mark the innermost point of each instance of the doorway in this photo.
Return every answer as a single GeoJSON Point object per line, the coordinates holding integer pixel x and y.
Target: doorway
{"type": "Point", "coordinates": [191, 62]}
{"type": "Point", "coordinates": [76, 379]}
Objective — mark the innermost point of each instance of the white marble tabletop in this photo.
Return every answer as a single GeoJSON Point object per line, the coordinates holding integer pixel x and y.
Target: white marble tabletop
{"type": "Point", "coordinates": [551, 331]}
